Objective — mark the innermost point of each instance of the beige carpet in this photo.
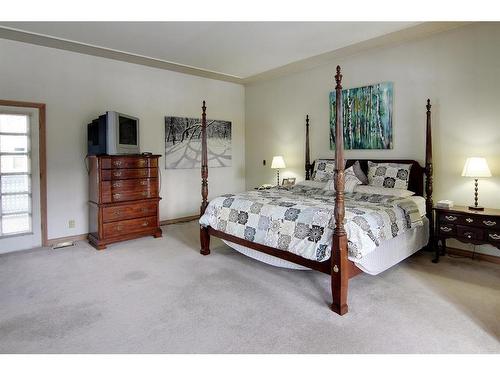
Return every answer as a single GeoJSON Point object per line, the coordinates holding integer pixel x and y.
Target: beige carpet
{"type": "Point", "coordinates": [161, 296]}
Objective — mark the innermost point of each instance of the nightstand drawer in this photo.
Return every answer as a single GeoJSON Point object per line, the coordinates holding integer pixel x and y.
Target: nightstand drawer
{"type": "Point", "coordinates": [494, 236]}
{"type": "Point", "coordinates": [446, 228]}
{"type": "Point", "coordinates": [470, 233]}
{"type": "Point", "coordinates": [450, 218]}
{"type": "Point", "coordinates": [490, 222]}
{"type": "Point", "coordinates": [470, 220]}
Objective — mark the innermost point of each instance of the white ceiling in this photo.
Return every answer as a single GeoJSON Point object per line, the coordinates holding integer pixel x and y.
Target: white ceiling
{"type": "Point", "coordinates": [240, 49]}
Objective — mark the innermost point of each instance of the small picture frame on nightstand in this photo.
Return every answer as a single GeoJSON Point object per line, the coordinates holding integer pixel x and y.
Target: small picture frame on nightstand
{"type": "Point", "coordinates": [288, 182]}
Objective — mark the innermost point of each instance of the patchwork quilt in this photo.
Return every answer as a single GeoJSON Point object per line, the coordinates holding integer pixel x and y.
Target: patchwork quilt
{"type": "Point", "coordinates": [301, 219]}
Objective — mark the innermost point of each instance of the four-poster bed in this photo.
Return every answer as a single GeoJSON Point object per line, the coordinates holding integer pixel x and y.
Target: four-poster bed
{"type": "Point", "coordinates": [338, 266]}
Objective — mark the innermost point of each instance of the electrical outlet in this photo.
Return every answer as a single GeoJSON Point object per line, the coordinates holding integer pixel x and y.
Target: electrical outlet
{"type": "Point", "coordinates": [71, 223]}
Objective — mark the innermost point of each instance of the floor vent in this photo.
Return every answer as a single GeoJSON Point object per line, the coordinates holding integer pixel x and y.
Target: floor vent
{"type": "Point", "coordinates": [60, 245]}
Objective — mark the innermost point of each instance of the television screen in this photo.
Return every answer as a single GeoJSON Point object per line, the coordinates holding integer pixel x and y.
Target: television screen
{"type": "Point", "coordinates": [127, 132]}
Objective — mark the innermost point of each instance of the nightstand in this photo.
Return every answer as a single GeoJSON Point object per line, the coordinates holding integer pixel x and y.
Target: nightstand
{"type": "Point", "coordinates": [469, 226]}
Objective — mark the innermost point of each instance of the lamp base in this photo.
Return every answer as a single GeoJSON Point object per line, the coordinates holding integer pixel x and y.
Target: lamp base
{"type": "Point", "coordinates": [474, 208]}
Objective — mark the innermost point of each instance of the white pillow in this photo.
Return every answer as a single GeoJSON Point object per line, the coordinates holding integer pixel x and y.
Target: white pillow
{"type": "Point", "coordinates": [369, 189]}
{"type": "Point", "coordinates": [351, 181]}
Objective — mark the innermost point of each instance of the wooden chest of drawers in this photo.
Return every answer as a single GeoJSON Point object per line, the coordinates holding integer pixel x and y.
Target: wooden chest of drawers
{"type": "Point", "coordinates": [123, 198]}
{"type": "Point", "coordinates": [476, 227]}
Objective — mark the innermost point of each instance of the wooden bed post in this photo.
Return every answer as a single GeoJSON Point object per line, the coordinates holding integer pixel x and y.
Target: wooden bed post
{"type": "Point", "coordinates": [204, 235]}
{"type": "Point", "coordinates": [308, 156]}
{"type": "Point", "coordinates": [428, 171]}
{"type": "Point", "coordinates": [339, 261]}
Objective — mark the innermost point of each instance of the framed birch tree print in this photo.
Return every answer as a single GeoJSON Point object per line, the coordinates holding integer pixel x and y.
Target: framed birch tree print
{"type": "Point", "coordinates": [367, 117]}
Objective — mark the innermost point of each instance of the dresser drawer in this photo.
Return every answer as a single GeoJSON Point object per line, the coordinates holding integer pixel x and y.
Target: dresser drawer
{"type": "Point", "coordinates": [132, 195]}
{"type": "Point", "coordinates": [129, 211]}
{"type": "Point", "coordinates": [119, 186]}
{"type": "Point", "coordinates": [470, 233]}
{"type": "Point", "coordinates": [130, 191]}
{"type": "Point", "coordinates": [128, 162]}
{"type": "Point", "coordinates": [123, 174]}
{"type": "Point", "coordinates": [447, 228]}
{"type": "Point", "coordinates": [118, 228]}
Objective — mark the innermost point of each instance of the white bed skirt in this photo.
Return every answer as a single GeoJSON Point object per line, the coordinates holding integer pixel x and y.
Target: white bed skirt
{"type": "Point", "coordinates": [388, 254]}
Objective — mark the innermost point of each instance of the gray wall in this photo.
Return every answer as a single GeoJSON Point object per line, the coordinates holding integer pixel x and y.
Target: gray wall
{"type": "Point", "coordinates": [458, 70]}
{"type": "Point", "coordinates": [77, 88]}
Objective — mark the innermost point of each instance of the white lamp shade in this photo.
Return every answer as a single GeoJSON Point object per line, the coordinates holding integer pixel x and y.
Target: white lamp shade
{"type": "Point", "coordinates": [278, 162]}
{"type": "Point", "coordinates": [476, 167]}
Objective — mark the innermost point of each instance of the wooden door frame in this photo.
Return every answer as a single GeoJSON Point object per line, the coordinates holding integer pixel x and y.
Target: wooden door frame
{"type": "Point", "coordinates": [42, 158]}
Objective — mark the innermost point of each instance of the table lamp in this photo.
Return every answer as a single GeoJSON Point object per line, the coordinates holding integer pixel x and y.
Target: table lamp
{"type": "Point", "coordinates": [278, 163]}
{"type": "Point", "coordinates": [476, 168]}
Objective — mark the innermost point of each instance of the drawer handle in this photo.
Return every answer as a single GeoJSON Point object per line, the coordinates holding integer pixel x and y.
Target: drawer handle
{"type": "Point", "coordinates": [489, 223]}
{"type": "Point", "coordinates": [144, 209]}
{"type": "Point", "coordinates": [145, 193]}
{"type": "Point", "coordinates": [144, 182]}
{"type": "Point", "coordinates": [450, 218]}
{"type": "Point", "coordinates": [145, 224]}
{"type": "Point", "coordinates": [142, 163]}
{"type": "Point", "coordinates": [144, 172]}
{"type": "Point", "coordinates": [117, 163]}
{"type": "Point", "coordinates": [119, 227]}
{"type": "Point", "coordinates": [117, 195]}
{"type": "Point", "coordinates": [469, 220]}
{"type": "Point", "coordinates": [117, 212]}
{"type": "Point", "coordinates": [117, 184]}
{"type": "Point", "coordinates": [494, 236]}
{"type": "Point", "coordinates": [468, 235]}
{"type": "Point", "coordinates": [446, 229]}
{"type": "Point", "coordinates": [117, 174]}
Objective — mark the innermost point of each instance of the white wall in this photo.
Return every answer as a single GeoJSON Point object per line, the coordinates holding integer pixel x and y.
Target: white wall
{"type": "Point", "coordinates": [458, 70]}
{"type": "Point", "coordinates": [77, 88]}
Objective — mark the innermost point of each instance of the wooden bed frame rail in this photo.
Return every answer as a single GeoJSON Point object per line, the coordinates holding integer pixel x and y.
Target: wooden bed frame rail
{"type": "Point", "coordinates": [338, 266]}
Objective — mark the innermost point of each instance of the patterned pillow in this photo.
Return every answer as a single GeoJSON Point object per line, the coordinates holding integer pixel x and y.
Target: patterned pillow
{"type": "Point", "coordinates": [351, 181]}
{"type": "Point", "coordinates": [388, 175]}
{"type": "Point", "coordinates": [324, 170]}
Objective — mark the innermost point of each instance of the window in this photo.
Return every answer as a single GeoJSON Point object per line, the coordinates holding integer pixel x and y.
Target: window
{"type": "Point", "coordinates": [15, 175]}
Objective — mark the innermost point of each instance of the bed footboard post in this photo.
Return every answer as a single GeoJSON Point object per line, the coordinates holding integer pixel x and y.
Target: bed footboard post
{"type": "Point", "coordinates": [428, 172]}
{"type": "Point", "coordinates": [308, 155]}
{"type": "Point", "coordinates": [204, 241]}
{"type": "Point", "coordinates": [339, 262]}
{"type": "Point", "coordinates": [204, 235]}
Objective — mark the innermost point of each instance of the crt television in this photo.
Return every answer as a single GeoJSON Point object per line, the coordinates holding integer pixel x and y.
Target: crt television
{"type": "Point", "coordinates": [113, 133]}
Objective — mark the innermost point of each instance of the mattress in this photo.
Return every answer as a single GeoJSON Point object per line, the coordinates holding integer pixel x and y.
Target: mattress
{"type": "Point", "coordinates": [388, 254]}
{"type": "Point", "coordinates": [395, 250]}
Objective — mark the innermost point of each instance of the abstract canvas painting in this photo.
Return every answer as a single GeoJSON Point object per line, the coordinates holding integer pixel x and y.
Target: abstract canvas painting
{"type": "Point", "coordinates": [183, 143]}
{"type": "Point", "coordinates": [367, 115]}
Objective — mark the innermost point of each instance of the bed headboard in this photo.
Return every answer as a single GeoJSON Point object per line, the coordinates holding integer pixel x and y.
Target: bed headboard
{"type": "Point", "coordinates": [417, 172]}
{"type": "Point", "coordinates": [420, 179]}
